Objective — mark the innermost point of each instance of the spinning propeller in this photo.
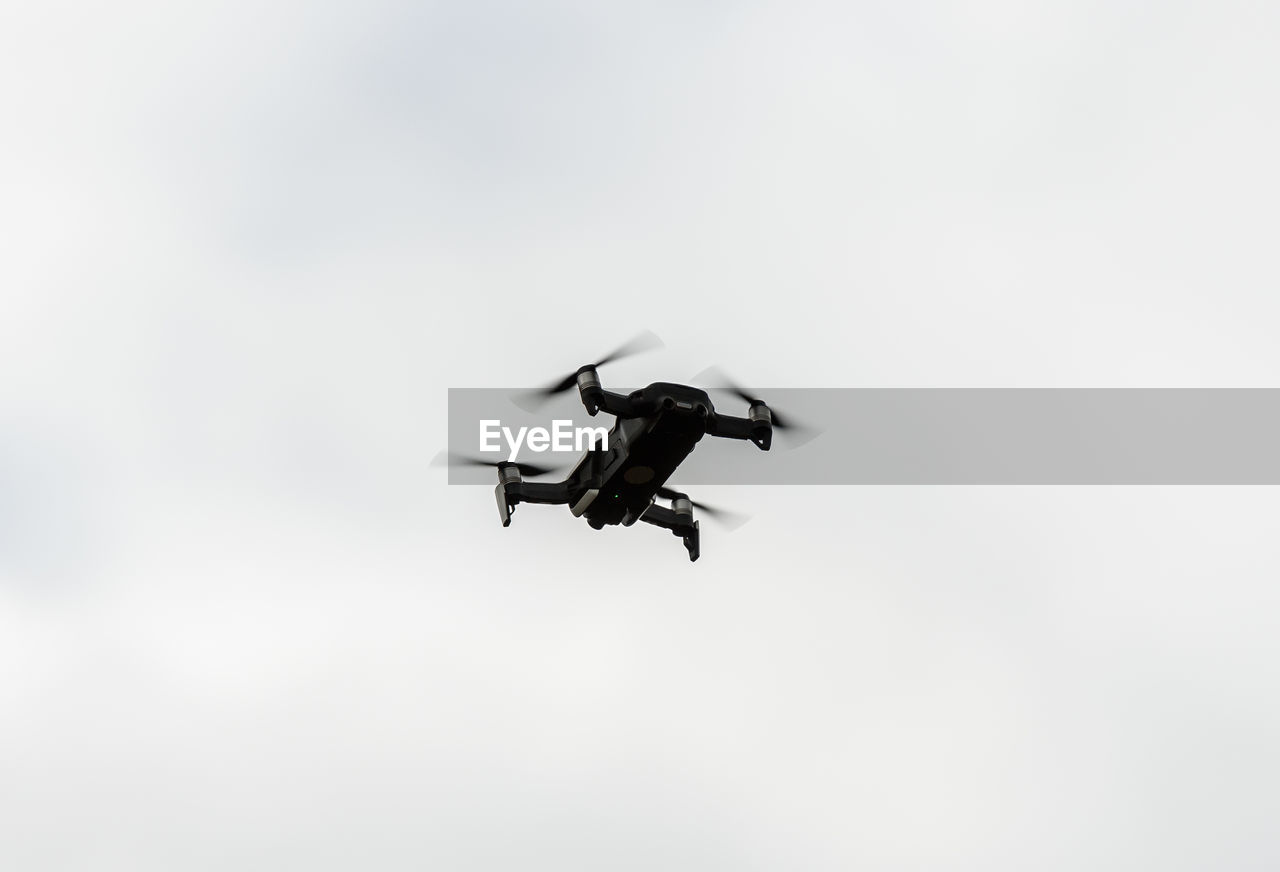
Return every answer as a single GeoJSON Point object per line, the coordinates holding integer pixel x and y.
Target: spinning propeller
{"type": "Point", "coordinates": [457, 461]}
{"type": "Point", "coordinates": [732, 520]}
{"type": "Point", "coordinates": [798, 433]}
{"type": "Point", "coordinates": [530, 401]}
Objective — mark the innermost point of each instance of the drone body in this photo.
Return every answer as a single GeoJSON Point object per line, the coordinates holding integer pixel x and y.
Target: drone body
{"type": "Point", "coordinates": [617, 482]}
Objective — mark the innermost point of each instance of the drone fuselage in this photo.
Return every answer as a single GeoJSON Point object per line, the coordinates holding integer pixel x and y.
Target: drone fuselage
{"type": "Point", "coordinates": [617, 485]}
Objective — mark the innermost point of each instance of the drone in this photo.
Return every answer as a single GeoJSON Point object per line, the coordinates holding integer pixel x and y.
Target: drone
{"type": "Point", "coordinates": [619, 480]}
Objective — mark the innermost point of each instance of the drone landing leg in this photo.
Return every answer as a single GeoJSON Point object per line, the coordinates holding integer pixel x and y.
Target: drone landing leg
{"type": "Point", "coordinates": [680, 524]}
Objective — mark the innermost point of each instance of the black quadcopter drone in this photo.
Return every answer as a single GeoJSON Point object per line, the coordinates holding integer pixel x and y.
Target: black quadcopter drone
{"type": "Point", "coordinates": [657, 427]}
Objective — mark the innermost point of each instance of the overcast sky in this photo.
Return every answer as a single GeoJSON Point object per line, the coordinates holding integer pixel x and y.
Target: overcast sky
{"type": "Point", "coordinates": [246, 249]}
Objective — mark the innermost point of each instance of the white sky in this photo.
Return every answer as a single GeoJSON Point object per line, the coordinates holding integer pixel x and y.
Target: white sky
{"type": "Point", "coordinates": [247, 247]}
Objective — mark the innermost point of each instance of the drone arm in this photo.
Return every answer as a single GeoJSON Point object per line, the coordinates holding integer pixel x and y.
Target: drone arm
{"type": "Point", "coordinates": [511, 493]}
{"type": "Point", "coordinates": [681, 525]}
{"type": "Point", "coordinates": [596, 399]}
{"type": "Point", "coordinates": [759, 431]}
{"type": "Point", "coordinates": [550, 494]}
{"type": "Point", "coordinates": [618, 405]}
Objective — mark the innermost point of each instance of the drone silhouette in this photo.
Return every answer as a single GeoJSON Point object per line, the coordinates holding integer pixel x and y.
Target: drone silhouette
{"type": "Point", "coordinates": [619, 480]}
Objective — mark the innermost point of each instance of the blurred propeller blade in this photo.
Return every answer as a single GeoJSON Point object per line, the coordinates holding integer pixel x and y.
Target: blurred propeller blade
{"type": "Point", "coordinates": [532, 400]}
{"type": "Point", "coordinates": [460, 461]}
{"type": "Point", "coordinates": [724, 517]}
{"type": "Point", "coordinates": [714, 377]}
{"type": "Point", "coordinates": [637, 344]}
